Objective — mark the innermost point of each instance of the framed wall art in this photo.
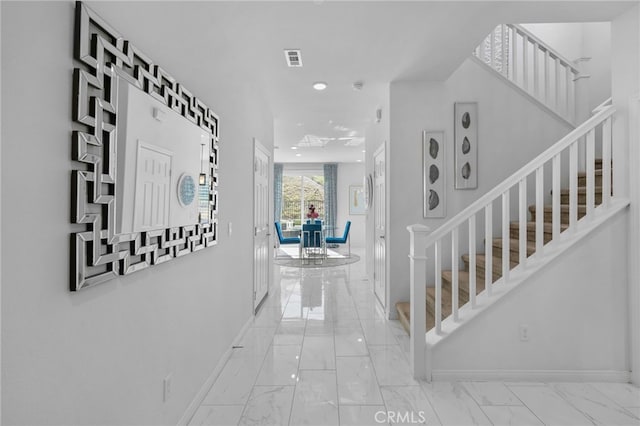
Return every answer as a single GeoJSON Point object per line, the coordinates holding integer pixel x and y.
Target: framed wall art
{"type": "Point", "coordinates": [357, 202]}
{"type": "Point", "coordinates": [433, 174]}
{"type": "Point", "coordinates": [368, 191]}
{"type": "Point", "coordinates": [465, 136]}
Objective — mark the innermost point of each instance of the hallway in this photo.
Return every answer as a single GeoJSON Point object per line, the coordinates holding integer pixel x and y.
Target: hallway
{"type": "Point", "coordinates": [320, 352]}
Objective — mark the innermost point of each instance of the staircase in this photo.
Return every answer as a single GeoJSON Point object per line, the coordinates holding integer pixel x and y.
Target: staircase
{"type": "Point", "coordinates": [545, 208]}
{"type": "Point", "coordinates": [498, 249]}
{"type": "Point", "coordinates": [520, 226]}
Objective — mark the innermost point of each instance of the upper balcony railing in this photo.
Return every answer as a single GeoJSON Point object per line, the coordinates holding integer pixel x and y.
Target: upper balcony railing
{"type": "Point", "coordinates": [536, 68]}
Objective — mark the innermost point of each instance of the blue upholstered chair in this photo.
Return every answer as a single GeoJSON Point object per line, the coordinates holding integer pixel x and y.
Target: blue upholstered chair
{"type": "Point", "coordinates": [282, 240]}
{"type": "Point", "coordinates": [344, 239]}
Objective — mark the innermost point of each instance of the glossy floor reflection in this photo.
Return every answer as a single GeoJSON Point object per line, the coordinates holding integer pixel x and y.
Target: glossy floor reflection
{"type": "Point", "coordinates": [321, 353]}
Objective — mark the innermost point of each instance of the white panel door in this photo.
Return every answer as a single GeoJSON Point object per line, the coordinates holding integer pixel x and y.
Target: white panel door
{"type": "Point", "coordinates": [379, 215]}
{"type": "Point", "coordinates": [153, 188]}
{"type": "Point", "coordinates": [261, 223]}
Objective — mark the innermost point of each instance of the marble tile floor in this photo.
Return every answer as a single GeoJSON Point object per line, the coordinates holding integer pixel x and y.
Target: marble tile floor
{"type": "Point", "coordinates": [321, 353]}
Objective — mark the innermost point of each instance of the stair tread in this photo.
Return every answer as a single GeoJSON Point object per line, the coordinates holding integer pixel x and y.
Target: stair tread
{"type": "Point", "coordinates": [563, 208]}
{"type": "Point", "coordinates": [446, 302]}
{"type": "Point", "coordinates": [513, 242]}
{"type": "Point", "coordinates": [481, 258]}
{"type": "Point", "coordinates": [531, 226]}
{"type": "Point", "coordinates": [463, 281]}
{"type": "Point", "coordinates": [514, 248]}
{"type": "Point", "coordinates": [597, 172]}
{"type": "Point", "coordinates": [581, 190]}
{"type": "Point", "coordinates": [480, 264]}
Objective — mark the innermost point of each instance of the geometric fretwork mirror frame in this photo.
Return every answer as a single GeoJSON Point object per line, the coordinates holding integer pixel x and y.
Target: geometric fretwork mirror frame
{"type": "Point", "coordinates": [99, 254]}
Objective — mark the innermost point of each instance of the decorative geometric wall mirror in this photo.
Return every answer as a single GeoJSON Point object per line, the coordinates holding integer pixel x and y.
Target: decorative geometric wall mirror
{"type": "Point", "coordinates": [145, 177]}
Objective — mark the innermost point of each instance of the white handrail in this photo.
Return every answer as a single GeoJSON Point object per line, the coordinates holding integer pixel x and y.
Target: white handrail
{"type": "Point", "coordinates": [526, 170]}
{"type": "Point", "coordinates": [542, 45]}
{"type": "Point", "coordinates": [607, 102]}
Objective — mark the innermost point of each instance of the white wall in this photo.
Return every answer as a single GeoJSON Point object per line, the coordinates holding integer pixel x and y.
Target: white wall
{"type": "Point", "coordinates": [350, 174]}
{"type": "Point", "coordinates": [583, 40]}
{"type": "Point", "coordinates": [512, 130]}
{"type": "Point", "coordinates": [625, 52]}
{"type": "Point", "coordinates": [99, 356]}
{"type": "Point", "coordinates": [575, 310]}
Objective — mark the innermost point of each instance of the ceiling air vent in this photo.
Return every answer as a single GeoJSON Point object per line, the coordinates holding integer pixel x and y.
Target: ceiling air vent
{"type": "Point", "coordinates": [294, 59]}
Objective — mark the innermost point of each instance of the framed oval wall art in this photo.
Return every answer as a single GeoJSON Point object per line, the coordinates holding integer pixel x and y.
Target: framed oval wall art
{"type": "Point", "coordinates": [433, 174]}
{"type": "Point", "coordinates": [465, 136]}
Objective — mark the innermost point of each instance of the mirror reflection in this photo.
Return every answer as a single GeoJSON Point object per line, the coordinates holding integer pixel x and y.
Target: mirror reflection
{"type": "Point", "coordinates": [163, 176]}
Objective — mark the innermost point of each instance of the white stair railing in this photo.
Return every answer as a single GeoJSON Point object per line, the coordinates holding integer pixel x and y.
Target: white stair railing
{"type": "Point", "coordinates": [535, 67]}
{"type": "Point", "coordinates": [607, 102]}
{"type": "Point", "coordinates": [426, 251]}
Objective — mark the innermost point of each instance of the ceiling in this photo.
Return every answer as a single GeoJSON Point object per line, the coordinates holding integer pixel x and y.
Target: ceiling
{"type": "Point", "coordinates": [375, 43]}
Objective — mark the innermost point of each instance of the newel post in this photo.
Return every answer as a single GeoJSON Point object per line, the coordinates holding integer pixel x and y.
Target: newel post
{"type": "Point", "coordinates": [418, 282]}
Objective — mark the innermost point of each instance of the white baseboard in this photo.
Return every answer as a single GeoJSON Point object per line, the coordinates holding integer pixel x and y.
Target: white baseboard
{"type": "Point", "coordinates": [532, 375]}
{"type": "Point", "coordinates": [204, 390]}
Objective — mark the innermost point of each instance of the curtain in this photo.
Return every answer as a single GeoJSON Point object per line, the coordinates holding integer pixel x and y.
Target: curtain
{"type": "Point", "coordinates": [330, 197]}
{"type": "Point", "coordinates": [277, 191]}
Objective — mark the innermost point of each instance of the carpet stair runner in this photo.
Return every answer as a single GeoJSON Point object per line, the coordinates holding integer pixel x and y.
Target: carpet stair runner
{"type": "Point", "coordinates": [463, 275]}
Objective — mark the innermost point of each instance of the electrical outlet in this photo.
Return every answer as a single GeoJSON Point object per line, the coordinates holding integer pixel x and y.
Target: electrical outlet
{"type": "Point", "coordinates": [166, 386]}
{"type": "Point", "coordinates": [524, 333]}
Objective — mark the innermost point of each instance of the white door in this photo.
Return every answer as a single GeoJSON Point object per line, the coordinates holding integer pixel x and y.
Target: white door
{"type": "Point", "coordinates": [153, 181]}
{"type": "Point", "coordinates": [379, 215]}
{"type": "Point", "coordinates": [261, 223]}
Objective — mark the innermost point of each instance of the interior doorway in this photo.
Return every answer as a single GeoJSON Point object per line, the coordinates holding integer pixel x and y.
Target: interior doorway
{"type": "Point", "coordinates": [379, 215]}
{"type": "Point", "coordinates": [262, 223]}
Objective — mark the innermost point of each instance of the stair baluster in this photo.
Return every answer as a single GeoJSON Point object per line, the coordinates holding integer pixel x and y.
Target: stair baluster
{"type": "Point", "coordinates": [522, 220]}
{"type": "Point", "coordinates": [455, 283]}
{"type": "Point", "coordinates": [573, 185]}
{"type": "Point", "coordinates": [472, 260]}
{"type": "Point", "coordinates": [591, 173]}
{"type": "Point", "coordinates": [488, 247]}
{"type": "Point", "coordinates": [438, 298]}
{"type": "Point", "coordinates": [555, 196]}
{"type": "Point", "coordinates": [606, 163]}
{"type": "Point", "coordinates": [539, 207]}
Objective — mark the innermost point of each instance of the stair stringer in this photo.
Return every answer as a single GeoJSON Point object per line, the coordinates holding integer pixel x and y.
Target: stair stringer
{"type": "Point", "coordinates": [441, 361]}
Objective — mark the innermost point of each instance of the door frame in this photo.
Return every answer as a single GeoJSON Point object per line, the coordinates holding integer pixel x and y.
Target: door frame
{"type": "Point", "coordinates": [382, 148]}
{"type": "Point", "coordinates": [259, 146]}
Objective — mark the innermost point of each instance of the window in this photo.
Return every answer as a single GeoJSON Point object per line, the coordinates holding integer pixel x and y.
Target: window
{"type": "Point", "coordinates": [299, 191]}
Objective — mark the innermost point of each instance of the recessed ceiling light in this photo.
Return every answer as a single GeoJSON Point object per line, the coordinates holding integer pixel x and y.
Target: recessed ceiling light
{"type": "Point", "coordinates": [298, 155]}
{"type": "Point", "coordinates": [359, 161]}
{"type": "Point", "coordinates": [319, 85]}
{"type": "Point", "coordinates": [294, 147]}
{"type": "Point", "coordinates": [364, 150]}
